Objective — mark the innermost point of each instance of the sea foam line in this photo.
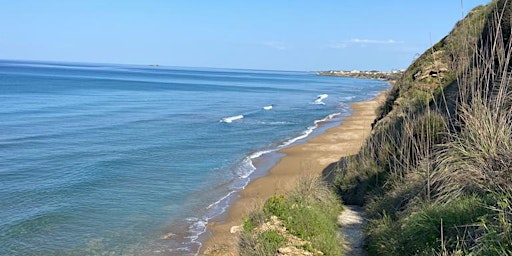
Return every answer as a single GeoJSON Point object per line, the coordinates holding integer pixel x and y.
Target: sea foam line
{"type": "Point", "coordinates": [309, 130]}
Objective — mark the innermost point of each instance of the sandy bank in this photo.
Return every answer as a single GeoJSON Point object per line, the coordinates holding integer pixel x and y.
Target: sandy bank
{"type": "Point", "coordinates": [308, 158]}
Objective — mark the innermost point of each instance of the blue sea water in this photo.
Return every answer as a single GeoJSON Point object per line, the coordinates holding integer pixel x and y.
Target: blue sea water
{"type": "Point", "coordinates": [101, 159]}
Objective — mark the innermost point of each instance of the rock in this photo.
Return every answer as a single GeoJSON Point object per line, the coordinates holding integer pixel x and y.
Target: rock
{"type": "Point", "coordinates": [235, 229]}
{"type": "Point", "coordinates": [167, 236]}
{"type": "Point", "coordinates": [292, 251]}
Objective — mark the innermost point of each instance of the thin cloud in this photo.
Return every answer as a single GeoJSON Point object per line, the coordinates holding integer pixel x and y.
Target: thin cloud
{"type": "Point", "coordinates": [362, 42]}
{"type": "Point", "coordinates": [372, 41]}
{"type": "Point", "coordinates": [339, 45]}
{"type": "Point", "coordinates": [275, 45]}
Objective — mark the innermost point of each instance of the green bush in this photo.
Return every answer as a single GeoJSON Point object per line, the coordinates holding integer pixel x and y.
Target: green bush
{"type": "Point", "coordinates": [271, 240]}
{"type": "Point", "coordinates": [276, 205]}
{"type": "Point", "coordinates": [428, 229]}
{"type": "Point", "coordinates": [254, 219]}
{"type": "Point", "coordinates": [312, 223]}
{"type": "Point", "coordinates": [384, 236]}
{"type": "Point", "coordinates": [422, 229]}
{"type": "Point", "coordinates": [309, 213]}
{"type": "Point", "coordinates": [497, 236]}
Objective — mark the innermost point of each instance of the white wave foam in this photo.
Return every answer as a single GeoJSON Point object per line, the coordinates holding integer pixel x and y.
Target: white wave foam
{"type": "Point", "coordinates": [304, 134]}
{"type": "Point", "coordinates": [320, 98]}
{"type": "Point", "coordinates": [259, 153]}
{"type": "Point", "coordinates": [246, 168]}
{"type": "Point", "coordinates": [196, 228]}
{"type": "Point", "coordinates": [220, 200]}
{"type": "Point", "coordinates": [273, 122]}
{"type": "Point", "coordinates": [347, 98]}
{"type": "Point", "coordinates": [268, 107]}
{"type": "Point", "coordinates": [231, 118]}
{"type": "Point", "coordinates": [309, 130]}
{"type": "Point", "coordinates": [327, 118]}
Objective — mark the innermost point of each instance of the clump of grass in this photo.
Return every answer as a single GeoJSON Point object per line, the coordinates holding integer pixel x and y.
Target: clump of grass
{"type": "Point", "coordinates": [263, 243]}
{"type": "Point", "coordinates": [271, 240]}
{"type": "Point", "coordinates": [423, 230]}
{"type": "Point", "coordinates": [497, 236]}
{"type": "Point", "coordinates": [355, 176]}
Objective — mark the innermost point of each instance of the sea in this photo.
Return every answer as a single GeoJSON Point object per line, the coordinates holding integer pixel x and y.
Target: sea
{"type": "Point", "coordinates": [105, 159]}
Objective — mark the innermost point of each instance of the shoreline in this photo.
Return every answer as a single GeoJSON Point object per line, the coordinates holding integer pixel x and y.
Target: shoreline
{"type": "Point", "coordinates": [308, 158]}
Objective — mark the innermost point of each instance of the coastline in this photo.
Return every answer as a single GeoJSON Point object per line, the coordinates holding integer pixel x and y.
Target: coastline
{"type": "Point", "coordinates": [308, 158]}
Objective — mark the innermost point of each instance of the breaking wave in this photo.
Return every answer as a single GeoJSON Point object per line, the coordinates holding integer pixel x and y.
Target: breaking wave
{"type": "Point", "coordinates": [320, 98]}
{"type": "Point", "coordinates": [231, 118]}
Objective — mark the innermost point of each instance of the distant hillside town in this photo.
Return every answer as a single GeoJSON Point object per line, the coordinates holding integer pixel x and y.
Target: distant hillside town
{"type": "Point", "coordinates": [369, 74]}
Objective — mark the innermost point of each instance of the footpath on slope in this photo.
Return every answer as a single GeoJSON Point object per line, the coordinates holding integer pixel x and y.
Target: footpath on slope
{"type": "Point", "coordinates": [310, 158]}
{"type": "Point", "coordinates": [351, 221]}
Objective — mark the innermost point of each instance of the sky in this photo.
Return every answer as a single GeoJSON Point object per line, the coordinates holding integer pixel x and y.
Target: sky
{"type": "Point", "coordinates": [270, 35]}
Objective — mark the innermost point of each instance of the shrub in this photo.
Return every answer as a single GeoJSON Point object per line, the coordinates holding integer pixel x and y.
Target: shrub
{"type": "Point", "coordinates": [384, 236]}
{"type": "Point", "coordinates": [257, 244]}
{"type": "Point", "coordinates": [425, 229]}
{"type": "Point", "coordinates": [270, 240]}
{"type": "Point", "coordinates": [309, 213]}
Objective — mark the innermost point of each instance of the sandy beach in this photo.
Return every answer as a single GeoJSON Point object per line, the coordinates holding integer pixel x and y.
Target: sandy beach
{"type": "Point", "coordinates": [309, 158]}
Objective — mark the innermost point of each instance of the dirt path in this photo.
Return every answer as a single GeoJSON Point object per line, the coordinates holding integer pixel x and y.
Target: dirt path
{"type": "Point", "coordinates": [352, 221]}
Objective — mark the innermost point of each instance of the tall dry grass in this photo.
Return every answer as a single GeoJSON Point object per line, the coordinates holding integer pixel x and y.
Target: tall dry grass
{"type": "Point", "coordinates": [444, 159]}
{"type": "Point", "coordinates": [478, 154]}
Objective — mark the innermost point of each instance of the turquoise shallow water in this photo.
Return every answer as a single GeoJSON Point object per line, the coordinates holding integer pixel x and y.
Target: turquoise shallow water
{"type": "Point", "coordinates": [108, 159]}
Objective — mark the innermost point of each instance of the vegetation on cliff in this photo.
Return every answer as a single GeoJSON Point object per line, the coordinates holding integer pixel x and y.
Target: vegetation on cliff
{"type": "Point", "coordinates": [435, 176]}
{"type": "Point", "coordinates": [303, 222]}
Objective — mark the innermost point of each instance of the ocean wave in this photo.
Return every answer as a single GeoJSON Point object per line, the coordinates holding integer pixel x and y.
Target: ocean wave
{"type": "Point", "coordinates": [216, 203]}
{"type": "Point", "coordinates": [260, 153]}
{"type": "Point", "coordinates": [245, 168]}
{"type": "Point", "coordinates": [309, 130]}
{"type": "Point", "coordinates": [327, 118]}
{"type": "Point", "coordinates": [196, 228]}
{"type": "Point", "coordinates": [320, 98]}
{"type": "Point", "coordinates": [231, 119]}
{"type": "Point", "coordinates": [277, 123]}
{"type": "Point", "coordinates": [347, 98]}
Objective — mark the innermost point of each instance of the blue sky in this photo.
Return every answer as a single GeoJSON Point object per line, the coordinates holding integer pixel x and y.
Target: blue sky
{"type": "Point", "coordinates": [280, 35]}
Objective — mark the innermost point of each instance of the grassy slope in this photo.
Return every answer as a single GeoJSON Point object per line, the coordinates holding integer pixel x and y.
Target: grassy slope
{"type": "Point", "coordinates": [435, 175]}
{"type": "Point", "coordinates": [302, 222]}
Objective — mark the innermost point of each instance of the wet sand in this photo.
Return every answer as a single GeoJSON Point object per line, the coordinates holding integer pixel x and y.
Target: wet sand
{"type": "Point", "coordinates": [309, 158]}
